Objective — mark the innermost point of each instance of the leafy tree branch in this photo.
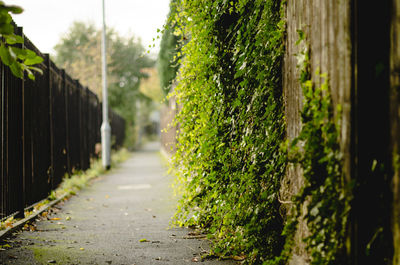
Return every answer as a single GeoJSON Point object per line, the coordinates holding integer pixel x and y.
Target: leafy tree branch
{"type": "Point", "coordinates": [12, 52]}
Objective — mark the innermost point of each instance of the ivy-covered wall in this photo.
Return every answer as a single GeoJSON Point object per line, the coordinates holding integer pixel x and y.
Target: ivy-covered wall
{"type": "Point", "coordinates": [281, 156]}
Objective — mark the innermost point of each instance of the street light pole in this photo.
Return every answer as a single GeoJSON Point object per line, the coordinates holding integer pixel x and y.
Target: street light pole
{"type": "Point", "coordinates": [105, 126]}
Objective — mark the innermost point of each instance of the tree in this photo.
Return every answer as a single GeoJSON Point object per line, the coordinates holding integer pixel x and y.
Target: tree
{"type": "Point", "coordinates": [79, 52]}
{"type": "Point", "coordinates": [18, 59]}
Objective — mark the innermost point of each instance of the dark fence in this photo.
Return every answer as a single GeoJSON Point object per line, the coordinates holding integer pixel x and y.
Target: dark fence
{"type": "Point", "coordinates": [48, 128]}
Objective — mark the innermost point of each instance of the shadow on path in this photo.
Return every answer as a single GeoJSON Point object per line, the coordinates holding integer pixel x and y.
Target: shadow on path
{"type": "Point", "coordinates": [122, 218]}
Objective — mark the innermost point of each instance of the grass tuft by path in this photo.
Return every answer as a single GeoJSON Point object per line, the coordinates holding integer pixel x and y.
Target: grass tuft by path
{"type": "Point", "coordinates": [71, 184]}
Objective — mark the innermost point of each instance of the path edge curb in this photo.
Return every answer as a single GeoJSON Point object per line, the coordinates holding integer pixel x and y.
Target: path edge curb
{"type": "Point", "coordinates": [22, 222]}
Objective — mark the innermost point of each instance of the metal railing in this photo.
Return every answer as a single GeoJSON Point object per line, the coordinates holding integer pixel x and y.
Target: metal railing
{"type": "Point", "coordinates": [48, 128]}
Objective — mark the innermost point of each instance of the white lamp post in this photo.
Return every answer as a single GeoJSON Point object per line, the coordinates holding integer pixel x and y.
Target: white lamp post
{"type": "Point", "coordinates": [105, 126]}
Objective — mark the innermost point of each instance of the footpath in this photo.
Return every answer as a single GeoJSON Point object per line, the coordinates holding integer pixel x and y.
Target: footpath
{"type": "Point", "coordinates": [122, 218]}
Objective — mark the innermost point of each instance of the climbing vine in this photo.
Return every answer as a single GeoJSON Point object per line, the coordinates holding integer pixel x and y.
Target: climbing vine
{"type": "Point", "coordinates": [231, 124]}
{"type": "Point", "coordinates": [324, 190]}
{"type": "Point", "coordinates": [317, 151]}
{"type": "Point", "coordinates": [230, 160]}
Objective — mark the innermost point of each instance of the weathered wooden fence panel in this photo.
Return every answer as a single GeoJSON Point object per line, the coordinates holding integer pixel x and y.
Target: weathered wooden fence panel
{"type": "Point", "coordinates": [395, 123]}
{"type": "Point", "coordinates": [326, 25]}
{"type": "Point", "coordinates": [350, 42]}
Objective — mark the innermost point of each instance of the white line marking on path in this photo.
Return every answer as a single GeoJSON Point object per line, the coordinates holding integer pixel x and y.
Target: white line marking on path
{"type": "Point", "coordinates": [135, 187]}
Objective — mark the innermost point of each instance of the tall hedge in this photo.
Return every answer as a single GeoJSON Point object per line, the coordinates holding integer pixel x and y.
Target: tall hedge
{"type": "Point", "coordinates": [231, 124]}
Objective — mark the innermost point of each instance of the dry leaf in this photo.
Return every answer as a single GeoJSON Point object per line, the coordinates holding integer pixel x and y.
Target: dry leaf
{"type": "Point", "coordinates": [55, 219]}
{"type": "Point", "coordinates": [239, 258]}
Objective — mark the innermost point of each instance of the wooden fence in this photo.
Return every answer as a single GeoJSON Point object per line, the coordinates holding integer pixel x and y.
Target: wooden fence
{"type": "Point", "coordinates": [356, 44]}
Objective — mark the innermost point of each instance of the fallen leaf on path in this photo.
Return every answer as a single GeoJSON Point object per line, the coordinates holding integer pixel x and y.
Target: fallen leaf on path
{"type": "Point", "coordinates": [148, 209]}
{"type": "Point", "coordinates": [239, 258]}
{"type": "Point", "coordinates": [68, 218]}
{"type": "Point", "coordinates": [44, 214]}
{"type": "Point", "coordinates": [159, 258]}
{"type": "Point", "coordinates": [143, 240]}
{"type": "Point", "coordinates": [55, 219]}
{"type": "Point", "coordinates": [195, 259]}
{"type": "Point", "coordinates": [82, 249]}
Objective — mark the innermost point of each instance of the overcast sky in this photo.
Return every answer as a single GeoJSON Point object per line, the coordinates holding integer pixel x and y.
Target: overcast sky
{"type": "Point", "coordinates": [45, 21]}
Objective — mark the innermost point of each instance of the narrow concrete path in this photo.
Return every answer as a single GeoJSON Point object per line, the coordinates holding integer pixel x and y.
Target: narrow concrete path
{"type": "Point", "coordinates": [106, 222]}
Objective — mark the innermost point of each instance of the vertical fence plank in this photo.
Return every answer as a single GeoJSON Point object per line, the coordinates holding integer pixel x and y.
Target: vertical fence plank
{"type": "Point", "coordinates": [13, 140]}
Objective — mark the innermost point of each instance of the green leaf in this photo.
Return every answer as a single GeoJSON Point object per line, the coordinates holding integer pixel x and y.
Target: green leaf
{"type": "Point", "coordinates": [30, 74]}
{"type": "Point", "coordinates": [32, 61]}
{"type": "Point", "coordinates": [36, 69]}
{"type": "Point", "coordinates": [30, 54]}
{"type": "Point", "coordinates": [6, 29]}
{"type": "Point", "coordinates": [16, 69]}
{"type": "Point", "coordinates": [13, 39]}
{"type": "Point", "coordinates": [15, 9]}
{"type": "Point", "coordinates": [5, 55]}
{"type": "Point", "coordinates": [5, 17]}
